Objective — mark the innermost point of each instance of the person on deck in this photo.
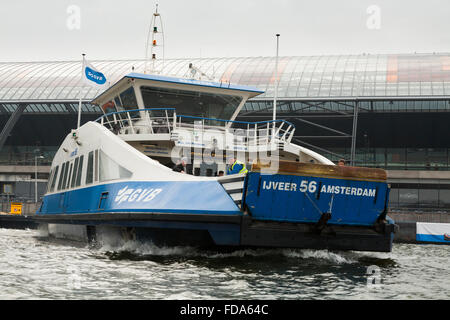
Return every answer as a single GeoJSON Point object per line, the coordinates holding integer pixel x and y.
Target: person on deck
{"type": "Point", "coordinates": [236, 166]}
{"type": "Point", "coordinates": [181, 165]}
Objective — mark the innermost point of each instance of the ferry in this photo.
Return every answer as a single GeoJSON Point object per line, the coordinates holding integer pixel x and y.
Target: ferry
{"type": "Point", "coordinates": [116, 174]}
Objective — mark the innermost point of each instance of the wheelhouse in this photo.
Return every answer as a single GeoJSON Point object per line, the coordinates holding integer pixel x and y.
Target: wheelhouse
{"type": "Point", "coordinates": [166, 118]}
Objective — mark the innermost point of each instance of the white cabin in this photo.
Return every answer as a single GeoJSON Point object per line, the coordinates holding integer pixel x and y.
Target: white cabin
{"type": "Point", "coordinates": [166, 118]}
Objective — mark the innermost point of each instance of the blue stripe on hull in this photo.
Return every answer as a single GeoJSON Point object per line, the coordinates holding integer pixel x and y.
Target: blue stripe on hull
{"type": "Point", "coordinates": [133, 196]}
{"type": "Point", "coordinates": [432, 238]}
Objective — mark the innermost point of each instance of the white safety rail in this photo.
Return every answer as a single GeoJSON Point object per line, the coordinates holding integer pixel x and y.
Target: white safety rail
{"type": "Point", "coordinates": [237, 134]}
{"type": "Point", "coordinates": [247, 133]}
{"type": "Point", "coordinates": [140, 121]}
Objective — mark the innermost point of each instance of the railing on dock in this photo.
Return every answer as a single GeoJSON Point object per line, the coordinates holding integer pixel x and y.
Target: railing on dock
{"type": "Point", "coordinates": [166, 121]}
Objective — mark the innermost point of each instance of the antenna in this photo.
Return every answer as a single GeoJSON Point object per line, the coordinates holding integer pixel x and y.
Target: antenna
{"type": "Point", "coordinates": [154, 48]}
{"type": "Point", "coordinates": [196, 73]}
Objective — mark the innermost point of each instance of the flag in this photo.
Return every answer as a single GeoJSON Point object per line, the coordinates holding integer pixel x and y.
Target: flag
{"type": "Point", "coordinates": [92, 76]}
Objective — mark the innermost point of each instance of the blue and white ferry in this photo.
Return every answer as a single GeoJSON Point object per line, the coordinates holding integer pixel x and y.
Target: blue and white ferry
{"type": "Point", "coordinates": [116, 174]}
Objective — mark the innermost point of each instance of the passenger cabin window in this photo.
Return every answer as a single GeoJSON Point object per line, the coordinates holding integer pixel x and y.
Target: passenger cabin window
{"type": "Point", "coordinates": [74, 172]}
{"type": "Point", "coordinates": [80, 170]}
{"type": "Point", "coordinates": [207, 105]}
{"type": "Point", "coordinates": [70, 176]}
{"type": "Point", "coordinates": [90, 167]}
{"type": "Point", "coordinates": [96, 165]}
{"type": "Point", "coordinates": [53, 182]}
{"type": "Point", "coordinates": [67, 181]}
{"type": "Point", "coordinates": [100, 167]}
{"type": "Point", "coordinates": [50, 178]}
{"type": "Point", "coordinates": [61, 176]}
{"type": "Point", "coordinates": [111, 170]}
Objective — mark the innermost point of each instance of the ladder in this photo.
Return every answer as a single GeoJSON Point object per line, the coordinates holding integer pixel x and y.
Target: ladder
{"type": "Point", "coordinates": [234, 186]}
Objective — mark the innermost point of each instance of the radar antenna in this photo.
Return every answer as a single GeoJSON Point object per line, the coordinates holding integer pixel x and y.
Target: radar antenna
{"type": "Point", "coordinates": [154, 48]}
{"type": "Point", "coordinates": [196, 73]}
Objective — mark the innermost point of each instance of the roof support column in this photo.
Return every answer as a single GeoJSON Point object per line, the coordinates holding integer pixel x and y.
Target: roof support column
{"type": "Point", "coordinates": [11, 123]}
{"type": "Point", "coordinates": [354, 130]}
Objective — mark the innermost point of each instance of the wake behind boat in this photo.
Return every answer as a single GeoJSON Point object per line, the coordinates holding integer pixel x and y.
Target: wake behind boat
{"type": "Point", "coordinates": [116, 173]}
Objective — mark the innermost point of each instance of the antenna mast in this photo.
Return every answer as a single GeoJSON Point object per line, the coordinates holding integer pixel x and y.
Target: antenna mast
{"type": "Point", "coordinates": [154, 48]}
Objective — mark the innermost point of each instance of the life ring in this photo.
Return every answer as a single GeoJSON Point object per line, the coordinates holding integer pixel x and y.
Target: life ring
{"type": "Point", "coordinates": [108, 105]}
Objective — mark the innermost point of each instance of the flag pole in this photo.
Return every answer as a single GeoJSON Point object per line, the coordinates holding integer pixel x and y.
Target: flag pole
{"type": "Point", "coordinates": [276, 84]}
{"type": "Point", "coordinates": [275, 95]}
{"type": "Point", "coordinates": [79, 102]}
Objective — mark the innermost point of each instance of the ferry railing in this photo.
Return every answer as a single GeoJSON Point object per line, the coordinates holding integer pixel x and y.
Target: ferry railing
{"type": "Point", "coordinates": [165, 120]}
{"type": "Point", "coordinates": [259, 132]}
{"type": "Point", "coordinates": [137, 121]}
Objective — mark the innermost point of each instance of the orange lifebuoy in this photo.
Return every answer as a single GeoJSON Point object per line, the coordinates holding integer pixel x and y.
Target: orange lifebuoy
{"type": "Point", "coordinates": [108, 105]}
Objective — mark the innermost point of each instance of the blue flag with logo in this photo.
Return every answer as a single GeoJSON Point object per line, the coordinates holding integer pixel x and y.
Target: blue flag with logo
{"type": "Point", "coordinates": [92, 76]}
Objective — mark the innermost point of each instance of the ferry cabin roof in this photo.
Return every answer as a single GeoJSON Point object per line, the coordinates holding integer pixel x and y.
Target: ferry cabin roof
{"type": "Point", "coordinates": [188, 96]}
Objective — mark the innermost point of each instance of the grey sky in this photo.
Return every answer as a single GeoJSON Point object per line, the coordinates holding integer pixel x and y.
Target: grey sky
{"type": "Point", "coordinates": [117, 29]}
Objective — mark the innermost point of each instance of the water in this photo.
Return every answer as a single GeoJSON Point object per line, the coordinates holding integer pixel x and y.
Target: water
{"type": "Point", "coordinates": [32, 266]}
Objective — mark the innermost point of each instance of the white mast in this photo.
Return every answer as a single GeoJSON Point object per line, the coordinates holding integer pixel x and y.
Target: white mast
{"type": "Point", "coordinates": [276, 83]}
{"type": "Point", "coordinates": [154, 48]}
{"type": "Point", "coordinates": [275, 94]}
{"type": "Point", "coordinates": [81, 91]}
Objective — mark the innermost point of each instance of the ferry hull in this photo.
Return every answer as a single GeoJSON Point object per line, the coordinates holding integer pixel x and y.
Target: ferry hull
{"type": "Point", "coordinates": [299, 206]}
{"type": "Point", "coordinates": [224, 231]}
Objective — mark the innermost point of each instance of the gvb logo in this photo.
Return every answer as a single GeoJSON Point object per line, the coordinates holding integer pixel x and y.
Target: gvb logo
{"type": "Point", "coordinates": [73, 21]}
{"type": "Point", "coordinates": [373, 277]}
{"type": "Point", "coordinates": [374, 20]}
{"type": "Point", "coordinates": [136, 195]}
{"type": "Point", "coordinates": [74, 278]}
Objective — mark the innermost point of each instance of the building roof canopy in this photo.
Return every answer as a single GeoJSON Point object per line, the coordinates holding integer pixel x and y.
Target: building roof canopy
{"type": "Point", "coordinates": [309, 77]}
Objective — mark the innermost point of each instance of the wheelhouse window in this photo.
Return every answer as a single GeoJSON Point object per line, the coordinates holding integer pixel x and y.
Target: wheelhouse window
{"type": "Point", "coordinates": [207, 105]}
{"type": "Point", "coordinates": [128, 99]}
{"type": "Point", "coordinates": [109, 107]}
{"type": "Point", "coordinates": [118, 103]}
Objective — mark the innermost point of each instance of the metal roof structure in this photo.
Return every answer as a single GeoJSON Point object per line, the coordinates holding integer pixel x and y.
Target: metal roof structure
{"type": "Point", "coordinates": [308, 77]}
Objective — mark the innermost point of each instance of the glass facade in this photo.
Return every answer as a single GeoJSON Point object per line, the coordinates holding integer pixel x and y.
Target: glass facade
{"type": "Point", "coordinates": [346, 106]}
{"type": "Point", "coordinates": [25, 155]}
{"type": "Point", "coordinates": [424, 196]}
{"type": "Point", "coordinates": [396, 158]}
{"type": "Point", "coordinates": [50, 108]}
{"type": "Point", "coordinates": [339, 76]}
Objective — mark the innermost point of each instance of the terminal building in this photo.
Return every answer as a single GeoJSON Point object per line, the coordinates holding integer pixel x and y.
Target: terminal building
{"type": "Point", "coordinates": [385, 111]}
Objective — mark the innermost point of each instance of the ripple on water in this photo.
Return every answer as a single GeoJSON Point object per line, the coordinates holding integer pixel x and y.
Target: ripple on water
{"type": "Point", "coordinates": [35, 267]}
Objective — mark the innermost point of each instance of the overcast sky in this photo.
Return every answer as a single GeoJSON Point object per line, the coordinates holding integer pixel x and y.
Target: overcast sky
{"type": "Point", "coordinates": [47, 30]}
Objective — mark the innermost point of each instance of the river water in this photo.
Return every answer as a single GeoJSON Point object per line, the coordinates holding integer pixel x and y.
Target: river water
{"type": "Point", "coordinates": [32, 266]}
